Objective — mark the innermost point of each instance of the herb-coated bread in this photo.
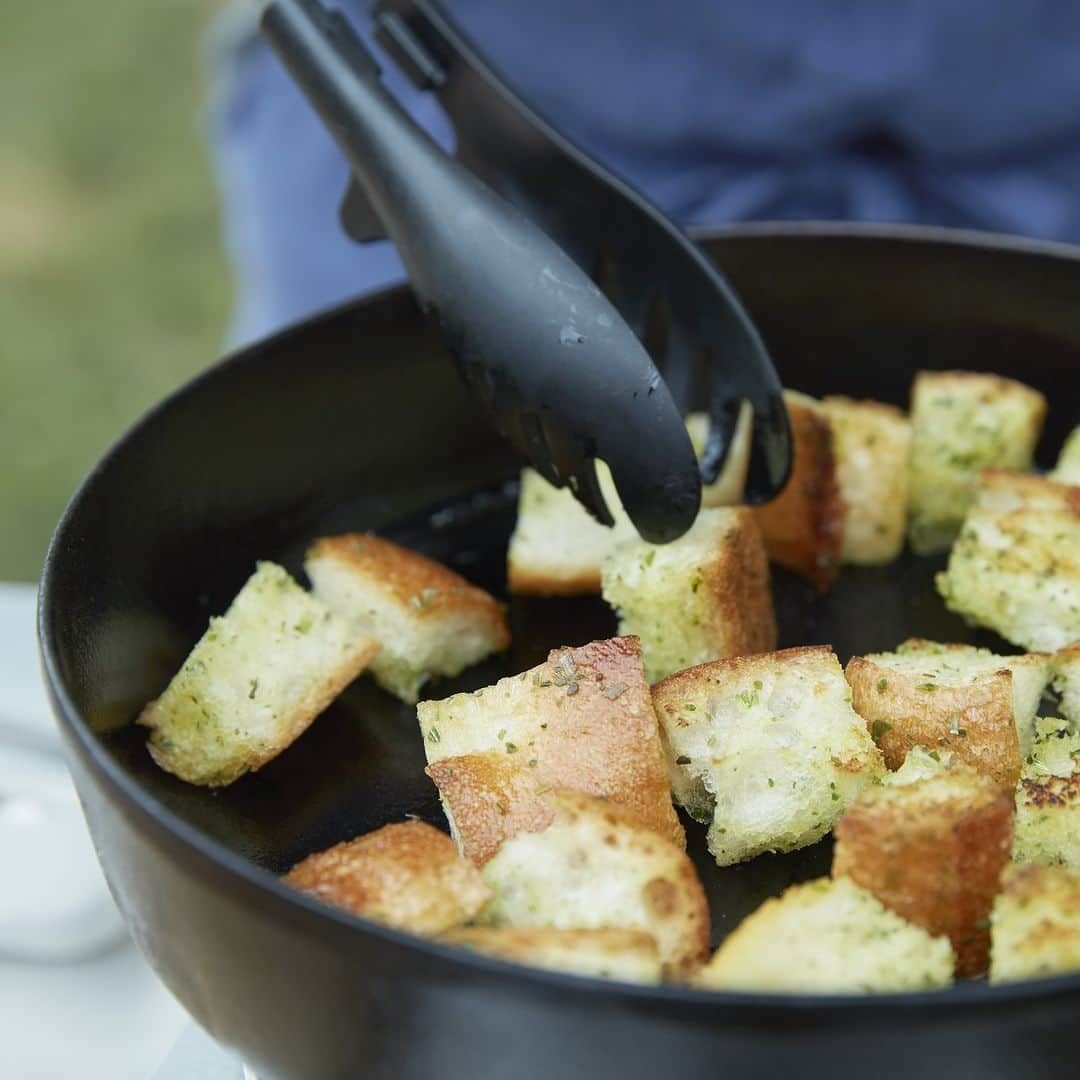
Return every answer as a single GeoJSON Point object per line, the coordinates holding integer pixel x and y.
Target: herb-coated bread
{"type": "Point", "coordinates": [1035, 927]}
{"type": "Point", "coordinates": [408, 875]}
{"type": "Point", "coordinates": [932, 849]}
{"type": "Point", "coordinates": [1015, 567]}
{"type": "Point", "coordinates": [428, 620]}
{"type": "Point", "coordinates": [703, 596]}
{"type": "Point", "coordinates": [963, 422]}
{"type": "Point", "coordinates": [828, 936]}
{"type": "Point", "coordinates": [253, 682]}
{"type": "Point", "coordinates": [583, 719]}
{"type": "Point", "coordinates": [593, 865]}
{"type": "Point", "coordinates": [766, 748]}
{"type": "Point", "coordinates": [970, 701]}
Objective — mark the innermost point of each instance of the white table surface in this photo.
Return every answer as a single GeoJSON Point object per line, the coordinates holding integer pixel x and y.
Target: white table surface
{"type": "Point", "coordinates": [102, 1015]}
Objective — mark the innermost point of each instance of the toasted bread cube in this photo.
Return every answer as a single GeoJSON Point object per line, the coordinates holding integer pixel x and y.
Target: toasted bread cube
{"type": "Point", "coordinates": [428, 620]}
{"type": "Point", "coordinates": [765, 748]}
{"type": "Point", "coordinates": [254, 682]}
{"type": "Point", "coordinates": [871, 443]}
{"type": "Point", "coordinates": [803, 526]}
{"type": "Point", "coordinates": [932, 849]}
{"type": "Point", "coordinates": [1036, 924]}
{"type": "Point", "coordinates": [557, 548]}
{"type": "Point", "coordinates": [1066, 680]}
{"type": "Point", "coordinates": [583, 719]}
{"type": "Point", "coordinates": [593, 865]}
{"type": "Point", "coordinates": [1016, 565]}
{"type": "Point", "coordinates": [602, 953]}
{"type": "Point", "coordinates": [1067, 469]}
{"type": "Point", "coordinates": [1048, 798]}
{"type": "Point", "coordinates": [828, 937]}
{"type": "Point", "coordinates": [921, 667]}
{"type": "Point", "coordinates": [971, 701]}
{"type": "Point", "coordinates": [409, 876]}
{"type": "Point", "coordinates": [701, 597]}
{"type": "Point", "coordinates": [963, 422]}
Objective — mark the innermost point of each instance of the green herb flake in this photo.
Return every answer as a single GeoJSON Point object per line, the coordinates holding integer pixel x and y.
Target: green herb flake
{"type": "Point", "coordinates": [252, 687]}
{"type": "Point", "coordinates": [682, 759]}
{"type": "Point", "coordinates": [511, 748]}
{"type": "Point", "coordinates": [649, 556]}
{"type": "Point", "coordinates": [926, 686]}
{"type": "Point", "coordinates": [433, 735]}
{"type": "Point", "coordinates": [882, 685]}
{"type": "Point", "coordinates": [749, 698]}
{"type": "Point", "coordinates": [879, 729]}
{"type": "Point", "coordinates": [501, 735]}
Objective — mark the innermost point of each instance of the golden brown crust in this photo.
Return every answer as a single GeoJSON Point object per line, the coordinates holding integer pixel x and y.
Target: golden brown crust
{"type": "Point", "coordinates": [990, 387]}
{"type": "Point", "coordinates": [425, 587]}
{"type": "Point", "coordinates": [741, 607]}
{"type": "Point", "coordinates": [548, 946]}
{"type": "Point", "coordinates": [1028, 489]}
{"type": "Point", "coordinates": [803, 526]}
{"type": "Point", "coordinates": [316, 702]}
{"type": "Point", "coordinates": [525, 581]}
{"type": "Point", "coordinates": [676, 899]}
{"type": "Point", "coordinates": [407, 875]}
{"type": "Point", "coordinates": [975, 722]}
{"type": "Point", "coordinates": [595, 731]}
{"type": "Point", "coordinates": [669, 693]}
{"type": "Point", "coordinates": [933, 852]}
{"type": "Point", "coordinates": [1045, 792]}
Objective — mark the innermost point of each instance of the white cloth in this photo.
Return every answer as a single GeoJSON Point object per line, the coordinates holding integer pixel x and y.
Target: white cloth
{"type": "Point", "coordinates": [76, 997]}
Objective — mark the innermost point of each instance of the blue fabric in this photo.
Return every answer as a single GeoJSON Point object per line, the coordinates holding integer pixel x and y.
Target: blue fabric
{"type": "Point", "coordinates": [954, 112]}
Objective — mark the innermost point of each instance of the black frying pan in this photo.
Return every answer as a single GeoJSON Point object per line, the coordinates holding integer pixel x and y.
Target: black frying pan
{"type": "Point", "coordinates": [356, 421]}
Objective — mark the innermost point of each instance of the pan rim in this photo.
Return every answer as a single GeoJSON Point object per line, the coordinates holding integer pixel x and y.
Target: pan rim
{"type": "Point", "coordinates": [741, 1007]}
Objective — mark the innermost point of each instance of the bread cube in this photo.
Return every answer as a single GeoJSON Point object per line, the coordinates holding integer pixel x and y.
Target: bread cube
{"type": "Point", "coordinates": [428, 620]}
{"type": "Point", "coordinates": [1015, 567]}
{"type": "Point", "coordinates": [932, 849]}
{"type": "Point", "coordinates": [1066, 680]}
{"type": "Point", "coordinates": [703, 596]}
{"type": "Point", "coordinates": [871, 443]}
{"type": "Point", "coordinates": [963, 422]}
{"type": "Point", "coordinates": [1067, 469]}
{"type": "Point", "coordinates": [767, 749]}
{"type": "Point", "coordinates": [971, 701]}
{"type": "Point", "coordinates": [803, 527]}
{"type": "Point", "coordinates": [1048, 798]}
{"type": "Point", "coordinates": [1035, 927]}
{"type": "Point", "coordinates": [254, 682]}
{"type": "Point", "coordinates": [583, 719]}
{"type": "Point", "coordinates": [409, 876]}
{"type": "Point", "coordinates": [828, 937]}
{"type": "Point", "coordinates": [603, 953]}
{"type": "Point", "coordinates": [557, 548]}
{"type": "Point", "coordinates": [594, 865]}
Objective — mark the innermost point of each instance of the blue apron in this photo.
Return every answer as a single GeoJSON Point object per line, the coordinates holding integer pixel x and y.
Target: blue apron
{"type": "Point", "coordinates": [953, 112]}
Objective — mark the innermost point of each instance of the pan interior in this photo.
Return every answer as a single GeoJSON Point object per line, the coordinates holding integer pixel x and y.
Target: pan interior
{"type": "Point", "coordinates": [309, 435]}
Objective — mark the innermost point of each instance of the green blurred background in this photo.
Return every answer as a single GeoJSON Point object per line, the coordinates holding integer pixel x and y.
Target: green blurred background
{"type": "Point", "coordinates": [113, 285]}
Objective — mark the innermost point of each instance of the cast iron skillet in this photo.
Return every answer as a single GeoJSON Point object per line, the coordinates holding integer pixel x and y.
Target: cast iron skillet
{"type": "Point", "coordinates": [356, 421]}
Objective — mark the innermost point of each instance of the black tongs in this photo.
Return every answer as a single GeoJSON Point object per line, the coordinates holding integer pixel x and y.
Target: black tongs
{"type": "Point", "coordinates": [505, 246]}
